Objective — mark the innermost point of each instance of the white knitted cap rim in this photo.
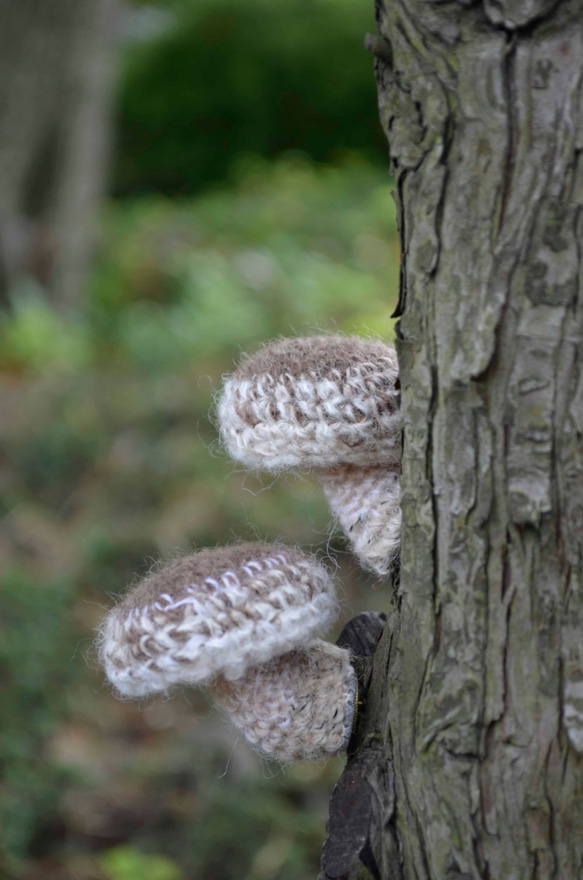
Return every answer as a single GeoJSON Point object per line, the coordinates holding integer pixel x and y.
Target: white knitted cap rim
{"type": "Point", "coordinates": [169, 630]}
{"type": "Point", "coordinates": [322, 414]}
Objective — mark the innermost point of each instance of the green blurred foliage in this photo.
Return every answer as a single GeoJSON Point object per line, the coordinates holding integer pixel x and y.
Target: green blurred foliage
{"type": "Point", "coordinates": [110, 462]}
{"type": "Point", "coordinates": [36, 646]}
{"type": "Point", "coordinates": [293, 245]}
{"type": "Point", "coordinates": [218, 78]}
{"type": "Point", "coordinates": [127, 863]}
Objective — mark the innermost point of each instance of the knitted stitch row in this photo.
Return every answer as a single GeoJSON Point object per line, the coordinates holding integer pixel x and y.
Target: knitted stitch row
{"type": "Point", "coordinates": [215, 613]}
{"type": "Point", "coordinates": [298, 707]}
{"type": "Point", "coordinates": [313, 402]}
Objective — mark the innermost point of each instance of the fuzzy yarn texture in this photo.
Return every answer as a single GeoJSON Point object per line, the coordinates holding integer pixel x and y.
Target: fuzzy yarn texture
{"type": "Point", "coordinates": [366, 502]}
{"type": "Point", "coordinates": [298, 707]}
{"type": "Point", "coordinates": [317, 401]}
{"type": "Point", "coordinates": [215, 613]}
{"type": "Point", "coordinates": [331, 403]}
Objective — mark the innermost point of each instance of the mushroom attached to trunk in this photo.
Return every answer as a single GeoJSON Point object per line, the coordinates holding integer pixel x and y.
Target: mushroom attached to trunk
{"type": "Point", "coordinates": [243, 621]}
{"type": "Point", "coordinates": [330, 403]}
{"type": "Point", "coordinates": [299, 706]}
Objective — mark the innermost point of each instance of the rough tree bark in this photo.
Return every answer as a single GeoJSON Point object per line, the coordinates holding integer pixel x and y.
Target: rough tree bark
{"type": "Point", "coordinates": [468, 761]}
{"type": "Point", "coordinates": [56, 67]}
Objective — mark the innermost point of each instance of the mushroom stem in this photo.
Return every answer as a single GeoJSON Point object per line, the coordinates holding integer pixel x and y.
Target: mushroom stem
{"type": "Point", "coordinates": [299, 706]}
{"type": "Point", "coordinates": [366, 503]}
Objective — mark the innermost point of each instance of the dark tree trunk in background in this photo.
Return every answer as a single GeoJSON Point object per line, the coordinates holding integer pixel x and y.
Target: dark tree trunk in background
{"type": "Point", "coordinates": [470, 752]}
{"type": "Point", "coordinates": [56, 69]}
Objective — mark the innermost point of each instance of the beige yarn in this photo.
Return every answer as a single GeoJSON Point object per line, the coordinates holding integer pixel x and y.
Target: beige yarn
{"type": "Point", "coordinates": [313, 402]}
{"type": "Point", "coordinates": [331, 403]}
{"type": "Point", "coordinates": [298, 707]}
{"type": "Point", "coordinates": [244, 619]}
{"type": "Point", "coordinates": [217, 612]}
{"type": "Point", "coordinates": [366, 502]}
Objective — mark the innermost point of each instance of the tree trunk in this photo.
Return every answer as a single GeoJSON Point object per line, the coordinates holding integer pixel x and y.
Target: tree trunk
{"type": "Point", "coordinates": [56, 65]}
{"type": "Point", "coordinates": [469, 757]}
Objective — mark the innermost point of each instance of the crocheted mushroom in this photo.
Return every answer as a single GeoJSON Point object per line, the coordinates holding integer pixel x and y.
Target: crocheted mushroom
{"type": "Point", "coordinates": [329, 403]}
{"type": "Point", "coordinates": [241, 620]}
{"type": "Point", "coordinates": [298, 707]}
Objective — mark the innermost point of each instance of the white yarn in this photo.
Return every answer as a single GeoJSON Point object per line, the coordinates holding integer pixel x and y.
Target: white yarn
{"type": "Point", "coordinates": [279, 422]}
{"type": "Point", "coordinates": [236, 620]}
{"type": "Point", "coordinates": [331, 404]}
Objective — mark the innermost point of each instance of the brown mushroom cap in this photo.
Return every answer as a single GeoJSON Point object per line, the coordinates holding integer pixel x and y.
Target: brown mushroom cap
{"type": "Point", "coordinates": [318, 401]}
{"type": "Point", "coordinates": [215, 613]}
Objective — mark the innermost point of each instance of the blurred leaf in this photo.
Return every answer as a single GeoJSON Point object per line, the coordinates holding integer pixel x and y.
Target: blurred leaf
{"type": "Point", "coordinates": [126, 863]}
{"type": "Point", "coordinates": [36, 337]}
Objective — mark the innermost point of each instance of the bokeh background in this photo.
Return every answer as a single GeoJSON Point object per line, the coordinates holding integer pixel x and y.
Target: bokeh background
{"type": "Point", "coordinates": [180, 181]}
